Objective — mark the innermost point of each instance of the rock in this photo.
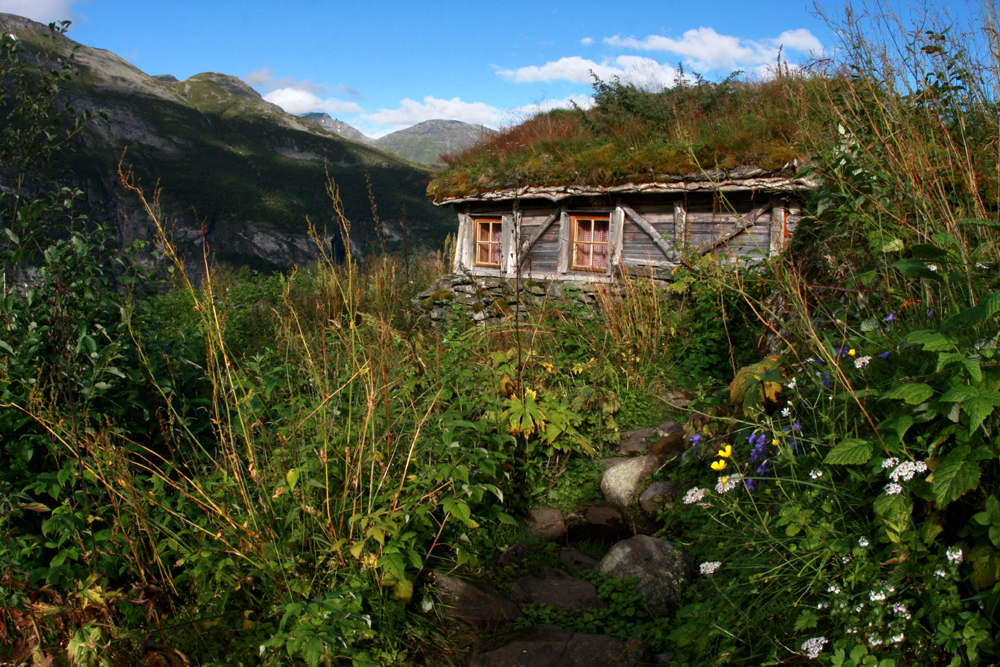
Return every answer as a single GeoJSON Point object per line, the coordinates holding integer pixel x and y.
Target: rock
{"type": "Point", "coordinates": [546, 523]}
{"type": "Point", "coordinates": [636, 442]}
{"type": "Point", "coordinates": [515, 554]}
{"type": "Point", "coordinates": [601, 523]}
{"type": "Point", "coordinates": [602, 515]}
{"type": "Point", "coordinates": [576, 561]}
{"type": "Point", "coordinates": [674, 442]}
{"type": "Point", "coordinates": [551, 646]}
{"type": "Point", "coordinates": [557, 589]}
{"type": "Point", "coordinates": [661, 568]}
{"type": "Point", "coordinates": [677, 399]}
{"type": "Point", "coordinates": [476, 604]}
{"type": "Point", "coordinates": [656, 496]}
{"type": "Point", "coordinates": [619, 482]}
{"type": "Point", "coordinates": [607, 463]}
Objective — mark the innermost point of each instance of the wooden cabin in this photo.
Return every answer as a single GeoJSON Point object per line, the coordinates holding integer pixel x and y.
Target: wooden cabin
{"type": "Point", "coordinates": [594, 234]}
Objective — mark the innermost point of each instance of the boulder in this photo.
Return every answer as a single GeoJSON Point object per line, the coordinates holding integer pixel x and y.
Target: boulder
{"type": "Point", "coordinates": [619, 482]}
{"type": "Point", "coordinates": [657, 495]}
{"type": "Point", "coordinates": [551, 646]}
{"type": "Point", "coordinates": [608, 463]}
{"type": "Point", "coordinates": [546, 523]}
{"type": "Point", "coordinates": [515, 553]}
{"type": "Point", "coordinates": [576, 561]}
{"type": "Point", "coordinates": [476, 604]}
{"type": "Point", "coordinates": [660, 567]}
{"type": "Point", "coordinates": [636, 442]}
{"type": "Point", "coordinates": [558, 589]}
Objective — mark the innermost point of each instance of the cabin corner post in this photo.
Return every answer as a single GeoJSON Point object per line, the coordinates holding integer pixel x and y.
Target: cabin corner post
{"type": "Point", "coordinates": [469, 242]}
{"type": "Point", "coordinates": [777, 236]}
{"type": "Point", "coordinates": [615, 235]}
{"type": "Point", "coordinates": [565, 240]}
{"type": "Point", "coordinates": [508, 244]}
{"type": "Point", "coordinates": [461, 242]}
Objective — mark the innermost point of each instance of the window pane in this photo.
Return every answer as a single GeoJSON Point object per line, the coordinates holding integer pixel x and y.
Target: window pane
{"type": "Point", "coordinates": [600, 256]}
{"type": "Point", "coordinates": [601, 231]}
{"type": "Point", "coordinates": [495, 254]}
{"type": "Point", "coordinates": [496, 233]}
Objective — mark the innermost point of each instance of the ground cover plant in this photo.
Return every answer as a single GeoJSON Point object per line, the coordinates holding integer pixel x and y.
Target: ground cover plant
{"type": "Point", "coordinates": [264, 469]}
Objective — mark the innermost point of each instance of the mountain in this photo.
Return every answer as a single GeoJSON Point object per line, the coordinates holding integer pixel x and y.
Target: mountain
{"type": "Point", "coordinates": [338, 127]}
{"type": "Point", "coordinates": [234, 170]}
{"type": "Point", "coordinates": [425, 142]}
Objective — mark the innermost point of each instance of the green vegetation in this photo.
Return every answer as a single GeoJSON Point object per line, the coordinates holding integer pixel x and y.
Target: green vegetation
{"type": "Point", "coordinates": [264, 470]}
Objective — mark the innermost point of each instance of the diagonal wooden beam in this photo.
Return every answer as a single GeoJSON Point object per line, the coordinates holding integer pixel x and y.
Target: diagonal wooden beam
{"type": "Point", "coordinates": [742, 224]}
{"type": "Point", "coordinates": [527, 245]}
{"type": "Point", "coordinates": [645, 226]}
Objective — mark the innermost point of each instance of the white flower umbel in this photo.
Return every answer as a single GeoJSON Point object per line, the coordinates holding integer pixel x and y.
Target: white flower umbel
{"type": "Point", "coordinates": [890, 462]}
{"type": "Point", "coordinates": [906, 470]}
{"type": "Point", "coordinates": [893, 489]}
{"type": "Point", "coordinates": [861, 362]}
{"type": "Point", "coordinates": [728, 483]}
{"type": "Point", "coordinates": [862, 542]}
{"type": "Point", "coordinates": [694, 495]}
{"type": "Point", "coordinates": [954, 555]}
{"type": "Point", "coordinates": [940, 574]}
{"type": "Point", "coordinates": [813, 647]}
{"type": "Point", "coordinates": [710, 567]}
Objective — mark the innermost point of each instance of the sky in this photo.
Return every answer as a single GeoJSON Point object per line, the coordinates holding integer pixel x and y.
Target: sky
{"type": "Point", "coordinates": [383, 66]}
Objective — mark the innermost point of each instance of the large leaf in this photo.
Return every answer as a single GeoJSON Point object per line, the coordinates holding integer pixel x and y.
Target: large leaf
{"type": "Point", "coordinates": [955, 476]}
{"type": "Point", "coordinates": [850, 451]}
{"type": "Point", "coordinates": [894, 511]}
{"type": "Point", "coordinates": [913, 393]}
{"type": "Point", "coordinates": [932, 341]}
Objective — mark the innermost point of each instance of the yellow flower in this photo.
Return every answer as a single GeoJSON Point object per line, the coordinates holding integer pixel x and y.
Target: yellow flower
{"type": "Point", "coordinates": [719, 465]}
{"type": "Point", "coordinates": [726, 453]}
{"type": "Point", "coordinates": [775, 442]}
{"type": "Point", "coordinates": [549, 368]}
{"type": "Point", "coordinates": [852, 352]}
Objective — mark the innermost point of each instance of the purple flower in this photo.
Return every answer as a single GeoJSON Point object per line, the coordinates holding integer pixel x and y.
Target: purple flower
{"type": "Point", "coordinates": [890, 317]}
{"type": "Point", "coordinates": [826, 380]}
{"type": "Point", "coordinates": [884, 356]}
{"type": "Point", "coordinates": [750, 485]}
{"type": "Point", "coordinates": [797, 426]}
{"type": "Point", "coordinates": [930, 313]}
{"type": "Point", "coordinates": [695, 439]}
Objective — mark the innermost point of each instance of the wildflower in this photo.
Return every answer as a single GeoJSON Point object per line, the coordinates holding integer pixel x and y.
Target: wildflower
{"type": "Point", "coordinates": [862, 542]}
{"type": "Point", "coordinates": [694, 495]}
{"type": "Point", "coordinates": [861, 362]}
{"type": "Point", "coordinates": [750, 484]}
{"type": "Point", "coordinates": [813, 647]}
{"type": "Point", "coordinates": [727, 483]}
{"type": "Point", "coordinates": [893, 489]}
{"type": "Point", "coordinates": [852, 631]}
{"type": "Point", "coordinates": [787, 412]}
{"type": "Point", "coordinates": [710, 567]}
{"type": "Point", "coordinates": [954, 555]}
{"type": "Point", "coordinates": [845, 559]}
{"type": "Point", "coordinates": [851, 352]}
{"type": "Point", "coordinates": [822, 605]}
{"type": "Point", "coordinates": [900, 608]}
{"type": "Point", "coordinates": [792, 385]}
{"type": "Point", "coordinates": [262, 649]}
{"type": "Point", "coordinates": [815, 474]}
{"type": "Point", "coordinates": [719, 465]}
{"type": "Point", "coordinates": [833, 588]}
{"type": "Point", "coordinates": [727, 452]}
{"type": "Point", "coordinates": [826, 381]}
{"type": "Point", "coordinates": [694, 440]}
{"type": "Point", "coordinates": [876, 596]}
{"type": "Point", "coordinates": [549, 368]}
{"type": "Point", "coordinates": [891, 462]}
{"type": "Point", "coordinates": [875, 641]}
{"type": "Point", "coordinates": [906, 470]}
{"type": "Point", "coordinates": [895, 639]}
{"type": "Point", "coordinates": [940, 574]}
{"type": "Point", "coordinates": [884, 356]}
{"type": "Point", "coordinates": [980, 265]}
{"type": "Point", "coordinates": [933, 267]}
{"type": "Point", "coordinates": [930, 313]}
{"type": "Point", "coordinates": [797, 426]}
{"type": "Point", "coordinates": [859, 607]}
{"type": "Point", "coordinates": [890, 318]}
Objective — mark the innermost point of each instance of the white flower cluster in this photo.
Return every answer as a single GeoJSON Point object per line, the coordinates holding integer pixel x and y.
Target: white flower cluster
{"type": "Point", "coordinates": [710, 567]}
{"type": "Point", "coordinates": [890, 462]}
{"type": "Point", "coordinates": [893, 489]}
{"type": "Point", "coordinates": [833, 588]}
{"type": "Point", "coordinates": [895, 639]}
{"type": "Point", "coordinates": [940, 574]}
{"type": "Point", "coordinates": [954, 555]}
{"type": "Point", "coordinates": [862, 542]}
{"type": "Point", "coordinates": [845, 559]}
{"type": "Point", "coordinates": [815, 474]}
{"type": "Point", "coordinates": [906, 470]}
{"type": "Point", "coordinates": [876, 596]}
{"type": "Point", "coordinates": [861, 362]}
{"type": "Point", "coordinates": [728, 483]}
{"type": "Point", "coordinates": [694, 496]}
{"type": "Point", "coordinates": [900, 609]}
{"type": "Point", "coordinates": [813, 647]}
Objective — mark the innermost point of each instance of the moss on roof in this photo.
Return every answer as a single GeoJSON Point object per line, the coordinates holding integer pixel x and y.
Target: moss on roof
{"type": "Point", "coordinates": [635, 135]}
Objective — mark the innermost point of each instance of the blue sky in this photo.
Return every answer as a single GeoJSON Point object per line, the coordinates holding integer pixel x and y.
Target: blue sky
{"type": "Point", "coordinates": [382, 66]}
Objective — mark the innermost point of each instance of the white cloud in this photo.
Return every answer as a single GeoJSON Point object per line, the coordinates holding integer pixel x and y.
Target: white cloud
{"type": "Point", "coordinates": [298, 101]}
{"type": "Point", "coordinates": [411, 112]}
{"type": "Point", "coordinates": [644, 72]}
{"type": "Point", "coordinates": [587, 41]}
{"type": "Point", "coordinates": [706, 48]}
{"type": "Point", "coordinates": [43, 11]}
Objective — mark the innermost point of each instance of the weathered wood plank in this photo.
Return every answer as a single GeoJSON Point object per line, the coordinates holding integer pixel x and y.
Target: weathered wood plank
{"type": "Point", "coordinates": [460, 243]}
{"type": "Point", "coordinates": [648, 228]}
{"type": "Point", "coordinates": [506, 234]}
{"type": "Point", "coordinates": [537, 233]}
{"type": "Point", "coordinates": [565, 237]}
{"type": "Point", "coordinates": [742, 224]}
{"type": "Point", "coordinates": [616, 224]}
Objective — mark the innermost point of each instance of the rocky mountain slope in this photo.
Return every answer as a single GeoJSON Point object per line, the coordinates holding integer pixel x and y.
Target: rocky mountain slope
{"type": "Point", "coordinates": [423, 143]}
{"type": "Point", "coordinates": [234, 170]}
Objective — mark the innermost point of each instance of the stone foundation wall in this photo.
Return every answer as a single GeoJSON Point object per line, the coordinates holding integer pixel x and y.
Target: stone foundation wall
{"type": "Point", "coordinates": [458, 297]}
